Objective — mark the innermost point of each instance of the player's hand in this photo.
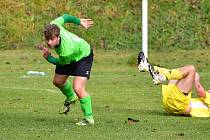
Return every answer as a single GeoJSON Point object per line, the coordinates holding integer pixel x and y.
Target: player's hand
{"type": "Point", "coordinates": [46, 52]}
{"type": "Point", "coordinates": [40, 45]}
{"type": "Point", "coordinates": [87, 23]}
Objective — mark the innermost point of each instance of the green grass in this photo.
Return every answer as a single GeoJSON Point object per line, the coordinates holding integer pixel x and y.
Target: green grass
{"type": "Point", "coordinates": [29, 104]}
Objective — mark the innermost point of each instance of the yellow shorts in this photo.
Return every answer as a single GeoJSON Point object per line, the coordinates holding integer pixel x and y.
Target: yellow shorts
{"type": "Point", "coordinates": [174, 101]}
{"type": "Point", "coordinates": [199, 108]}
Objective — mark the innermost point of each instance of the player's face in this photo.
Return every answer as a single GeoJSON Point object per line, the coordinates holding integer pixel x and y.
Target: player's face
{"type": "Point", "coordinates": [53, 42]}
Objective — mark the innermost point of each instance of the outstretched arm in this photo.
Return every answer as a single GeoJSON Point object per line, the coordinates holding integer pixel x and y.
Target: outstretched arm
{"type": "Point", "coordinates": [198, 87]}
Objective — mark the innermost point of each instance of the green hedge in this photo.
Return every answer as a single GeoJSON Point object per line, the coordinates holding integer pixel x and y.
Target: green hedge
{"type": "Point", "coordinates": [179, 24]}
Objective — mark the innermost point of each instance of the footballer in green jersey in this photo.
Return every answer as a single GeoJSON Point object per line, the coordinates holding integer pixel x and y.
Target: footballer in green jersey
{"type": "Point", "coordinates": [75, 58]}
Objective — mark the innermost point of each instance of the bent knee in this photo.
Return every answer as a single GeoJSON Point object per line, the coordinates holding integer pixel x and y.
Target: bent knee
{"type": "Point", "coordinates": [58, 83]}
{"type": "Point", "coordinates": [78, 89]}
{"type": "Point", "coordinates": [191, 69]}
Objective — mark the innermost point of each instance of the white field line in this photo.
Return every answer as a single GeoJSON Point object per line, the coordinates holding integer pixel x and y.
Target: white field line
{"type": "Point", "coordinates": [35, 89]}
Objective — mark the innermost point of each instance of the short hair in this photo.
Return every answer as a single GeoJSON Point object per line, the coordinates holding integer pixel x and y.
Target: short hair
{"type": "Point", "coordinates": [51, 31]}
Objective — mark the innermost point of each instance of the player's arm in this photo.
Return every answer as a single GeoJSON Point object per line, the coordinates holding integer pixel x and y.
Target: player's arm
{"type": "Point", "coordinates": [86, 23]}
{"type": "Point", "coordinates": [59, 61]}
{"type": "Point", "coordinates": [205, 95]}
{"type": "Point", "coordinates": [52, 60]}
{"type": "Point", "coordinates": [198, 87]}
{"type": "Point", "coordinates": [71, 19]}
{"type": "Point", "coordinates": [62, 60]}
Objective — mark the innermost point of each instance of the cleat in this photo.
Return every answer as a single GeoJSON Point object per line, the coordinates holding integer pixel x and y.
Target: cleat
{"type": "Point", "coordinates": [66, 106]}
{"type": "Point", "coordinates": [157, 77]}
{"type": "Point", "coordinates": [86, 121]}
{"type": "Point", "coordinates": [143, 62]}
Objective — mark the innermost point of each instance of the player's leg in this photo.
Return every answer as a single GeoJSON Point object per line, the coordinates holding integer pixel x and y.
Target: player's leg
{"type": "Point", "coordinates": [186, 83]}
{"type": "Point", "coordinates": [170, 74]}
{"type": "Point", "coordinates": [144, 65]}
{"type": "Point", "coordinates": [65, 86]}
{"type": "Point", "coordinates": [79, 84]}
{"type": "Point", "coordinates": [158, 74]}
{"type": "Point", "coordinates": [82, 74]}
{"type": "Point", "coordinates": [179, 90]}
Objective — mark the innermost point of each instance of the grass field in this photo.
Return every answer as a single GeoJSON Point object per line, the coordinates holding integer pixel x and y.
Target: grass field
{"type": "Point", "coordinates": [29, 104]}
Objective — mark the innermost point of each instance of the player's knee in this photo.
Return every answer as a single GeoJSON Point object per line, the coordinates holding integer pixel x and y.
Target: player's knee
{"type": "Point", "coordinates": [58, 83]}
{"type": "Point", "coordinates": [77, 88]}
{"type": "Point", "coordinates": [192, 69]}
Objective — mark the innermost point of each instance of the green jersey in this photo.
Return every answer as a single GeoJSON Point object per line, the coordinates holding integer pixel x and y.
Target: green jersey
{"type": "Point", "coordinates": [72, 48]}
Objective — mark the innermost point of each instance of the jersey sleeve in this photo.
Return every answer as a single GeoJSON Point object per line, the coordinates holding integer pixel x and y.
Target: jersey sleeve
{"type": "Point", "coordinates": [52, 60]}
{"type": "Point", "coordinates": [62, 60]}
{"type": "Point", "coordinates": [66, 18]}
{"type": "Point", "coordinates": [71, 19]}
{"type": "Point", "coordinates": [58, 21]}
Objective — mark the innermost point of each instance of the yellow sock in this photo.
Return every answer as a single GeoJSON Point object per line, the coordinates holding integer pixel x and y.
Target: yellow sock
{"type": "Point", "coordinates": [170, 74]}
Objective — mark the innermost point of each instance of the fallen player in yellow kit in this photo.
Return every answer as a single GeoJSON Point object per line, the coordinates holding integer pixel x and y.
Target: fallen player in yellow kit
{"type": "Point", "coordinates": [177, 93]}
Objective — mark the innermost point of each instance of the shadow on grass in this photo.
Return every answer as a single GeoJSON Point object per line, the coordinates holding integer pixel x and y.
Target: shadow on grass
{"type": "Point", "coordinates": [149, 112]}
{"type": "Point", "coordinates": [33, 119]}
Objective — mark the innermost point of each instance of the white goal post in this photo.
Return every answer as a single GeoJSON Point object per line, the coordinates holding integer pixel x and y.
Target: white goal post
{"type": "Point", "coordinates": [145, 27]}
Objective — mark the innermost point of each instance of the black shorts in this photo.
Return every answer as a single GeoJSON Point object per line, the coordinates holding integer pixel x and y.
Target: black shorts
{"type": "Point", "coordinates": [79, 68]}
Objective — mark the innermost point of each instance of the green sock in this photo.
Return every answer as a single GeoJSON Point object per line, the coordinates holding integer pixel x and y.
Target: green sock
{"type": "Point", "coordinates": [68, 91]}
{"type": "Point", "coordinates": [86, 106]}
